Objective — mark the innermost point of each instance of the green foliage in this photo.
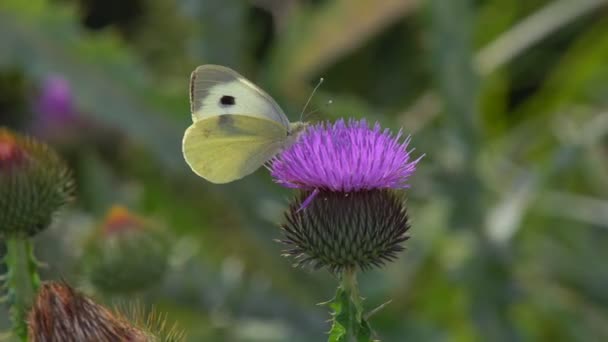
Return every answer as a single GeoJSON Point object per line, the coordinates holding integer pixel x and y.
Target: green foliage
{"type": "Point", "coordinates": [507, 99]}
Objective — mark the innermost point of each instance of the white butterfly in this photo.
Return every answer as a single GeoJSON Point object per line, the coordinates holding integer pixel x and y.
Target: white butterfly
{"type": "Point", "coordinates": [237, 126]}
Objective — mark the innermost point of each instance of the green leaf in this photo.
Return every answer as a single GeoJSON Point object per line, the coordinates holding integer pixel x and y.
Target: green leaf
{"type": "Point", "coordinates": [579, 77]}
{"type": "Point", "coordinates": [452, 57]}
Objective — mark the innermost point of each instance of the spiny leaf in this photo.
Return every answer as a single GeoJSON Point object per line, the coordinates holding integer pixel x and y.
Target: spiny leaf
{"type": "Point", "coordinates": [348, 324]}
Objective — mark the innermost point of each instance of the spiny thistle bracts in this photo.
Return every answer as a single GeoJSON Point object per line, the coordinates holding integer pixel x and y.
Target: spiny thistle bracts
{"type": "Point", "coordinates": [34, 184]}
{"type": "Point", "coordinates": [61, 313]}
{"type": "Point", "coordinates": [127, 253]}
{"type": "Point", "coordinates": [340, 230]}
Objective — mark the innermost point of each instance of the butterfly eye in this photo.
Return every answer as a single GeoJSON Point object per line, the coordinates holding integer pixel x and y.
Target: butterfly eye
{"type": "Point", "coordinates": [227, 100]}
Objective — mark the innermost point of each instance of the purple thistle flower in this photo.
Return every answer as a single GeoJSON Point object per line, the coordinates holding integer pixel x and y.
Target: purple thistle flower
{"type": "Point", "coordinates": [55, 109]}
{"type": "Point", "coordinates": [345, 157]}
{"type": "Point", "coordinates": [55, 102]}
{"type": "Point", "coordinates": [349, 212]}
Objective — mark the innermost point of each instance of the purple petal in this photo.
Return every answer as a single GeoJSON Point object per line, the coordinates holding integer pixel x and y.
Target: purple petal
{"type": "Point", "coordinates": [345, 156]}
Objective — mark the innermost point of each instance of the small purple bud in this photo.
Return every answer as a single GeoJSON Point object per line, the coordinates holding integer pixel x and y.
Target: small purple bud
{"type": "Point", "coordinates": [55, 102]}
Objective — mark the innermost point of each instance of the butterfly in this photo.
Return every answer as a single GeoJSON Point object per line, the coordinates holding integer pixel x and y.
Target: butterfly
{"type": "Point", "coordinates": [237, 127]}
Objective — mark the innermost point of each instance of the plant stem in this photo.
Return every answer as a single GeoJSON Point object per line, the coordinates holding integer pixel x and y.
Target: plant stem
{"type": "Point", "coordinates": [349, 281]}
{"type": "Point", "coordinates": [22, 282]}
{"type": "Point", "coordinates": [348, 325]}
{"type": "Point", "coordinates": [349, 284]}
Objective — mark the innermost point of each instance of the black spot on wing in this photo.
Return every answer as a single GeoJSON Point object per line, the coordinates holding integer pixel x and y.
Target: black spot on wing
{"type": "Point", "coordinates": [227, 100]}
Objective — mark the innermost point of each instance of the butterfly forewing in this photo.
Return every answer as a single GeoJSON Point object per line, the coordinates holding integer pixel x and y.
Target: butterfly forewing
{"type": "Point", "coordinates": [216, 90]}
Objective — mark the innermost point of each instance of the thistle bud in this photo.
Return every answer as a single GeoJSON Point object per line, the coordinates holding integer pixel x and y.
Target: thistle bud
{"type": "Point", "coordinates": [126, 253]}
{"type": "Point", "coordinates": [346, 230]}
{"type": "Point", "coordinates": [61, 313]}
{"type": "Point", "coordinates": [34, 184]}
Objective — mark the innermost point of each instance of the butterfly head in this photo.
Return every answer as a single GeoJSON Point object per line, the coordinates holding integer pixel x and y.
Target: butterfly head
{"type": "Point", "coordinates": [295, 128]}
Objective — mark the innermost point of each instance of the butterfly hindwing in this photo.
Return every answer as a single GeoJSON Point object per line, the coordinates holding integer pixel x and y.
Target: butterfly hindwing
{"type": "Point", "coordinates": [225, 148]}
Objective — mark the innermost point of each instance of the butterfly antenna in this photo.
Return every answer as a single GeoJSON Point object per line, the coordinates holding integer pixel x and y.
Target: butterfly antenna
{"type": "Point", "coordinates": [310, 97]}
{"type": "Point", "coordinates": [317, 109]}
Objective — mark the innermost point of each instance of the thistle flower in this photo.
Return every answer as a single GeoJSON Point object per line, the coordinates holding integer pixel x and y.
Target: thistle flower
{"type": "Point", "coordinates": [34, 184]}
{"type": "Point", "coordinates": [56, 116]}
{"type": "Point", "coordinates": [349, 212]}
{"type": "Point", "coordinates": [61, 313]}
{"type": "Point", "coordinates": [127, 253]}
{"type": "Point", "coordinates": [345, 157]}
{"type": "Point", "coordinates": [55, 102]}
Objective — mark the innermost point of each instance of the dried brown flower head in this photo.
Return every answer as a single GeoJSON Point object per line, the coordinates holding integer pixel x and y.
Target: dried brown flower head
{"type": "Point", "coordinates": [61, 313]}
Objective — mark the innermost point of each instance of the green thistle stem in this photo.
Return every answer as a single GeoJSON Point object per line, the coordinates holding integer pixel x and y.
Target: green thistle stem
{"type": "Point", "coordinates": [349, 324]}
{"type": "Point", "coordinates": [22, 282]}
{"type": "Point", "coordinates": [350, 286]}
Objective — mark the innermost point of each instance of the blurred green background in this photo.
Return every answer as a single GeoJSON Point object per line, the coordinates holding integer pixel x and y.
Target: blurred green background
{"type": "Point", "coordinates": [508, 99]}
